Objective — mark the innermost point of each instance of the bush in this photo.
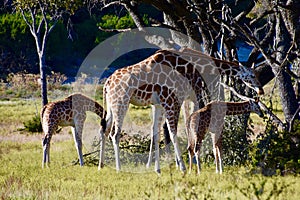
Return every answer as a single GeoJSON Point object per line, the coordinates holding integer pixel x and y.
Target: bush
{"type": "Point", "coordinates": [277, 151]}
{"type": "Point", "coordinates": [33, 125]}
{"type": "Point", "coordinates": [235, 142]}
{"type": "Point", "coordinates": [14, 86]}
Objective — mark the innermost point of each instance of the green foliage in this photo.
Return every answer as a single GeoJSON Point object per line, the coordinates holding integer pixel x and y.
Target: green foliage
{"type": "Point", "coordinates": [12, 25]}
{"type": "Point", "coordinates": [234, 141]}
{"type": "Point", "coordinates": [51, 7]}
{"type": "Point", "coordinates": [74, 48]}
{"type": "Point", "coordinates": [115, 22]}
{"type": "Point", "coordinates": [277, 151]}
{"type": "Point", "coordinates": [261, 189]}
{"type": "Point", "coordinates": [13, 30]}
{"type": "Point", "coordinates": [33, 125]}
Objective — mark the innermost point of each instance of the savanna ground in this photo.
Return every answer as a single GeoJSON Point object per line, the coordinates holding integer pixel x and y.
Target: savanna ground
{"type": "Point", "coordinates": [22, 177]}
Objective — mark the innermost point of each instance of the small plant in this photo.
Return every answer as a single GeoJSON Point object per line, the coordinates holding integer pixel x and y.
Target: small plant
{"type": "Point", "coordinates": [277, 151]}
{"type": "Point", "coordinates": [263, 190]}
{"type": "Point", "coordinates": [33, 125]}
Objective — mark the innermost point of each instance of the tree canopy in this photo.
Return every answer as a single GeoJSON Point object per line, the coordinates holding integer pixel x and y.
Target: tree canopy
{"type": "Point", "coordinates": [271, 28]}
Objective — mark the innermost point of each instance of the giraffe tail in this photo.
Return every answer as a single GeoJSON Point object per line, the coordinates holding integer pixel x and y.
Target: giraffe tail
{"type": "Point", "coordinates": [189, 133]}
{"type": "Point", "coordinates": [42, 113]}
{"type": "Point", "coordinates": [103, 120]}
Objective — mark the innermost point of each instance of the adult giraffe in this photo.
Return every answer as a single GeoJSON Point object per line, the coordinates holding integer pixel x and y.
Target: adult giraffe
{"type": "Point", "coordinates": [164, 80]}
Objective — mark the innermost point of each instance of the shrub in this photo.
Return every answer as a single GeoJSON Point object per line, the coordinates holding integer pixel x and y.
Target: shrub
{"type": "Point", "coordinates": [33, 125]}
{"type": "Point", "coordinates": [277, 151]}
{"type": "Point", "coordinates": [14, 86]}
{"type": "Point", "coordinates": [235, 142]}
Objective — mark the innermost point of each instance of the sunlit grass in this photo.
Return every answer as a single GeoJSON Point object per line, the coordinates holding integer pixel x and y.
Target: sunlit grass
{"type": "Point", "coordinates": [14, 113]}
{"type": "Point", "coordinates": [23, 178]}
{"type": "Point", "coordinates": [21, 175]}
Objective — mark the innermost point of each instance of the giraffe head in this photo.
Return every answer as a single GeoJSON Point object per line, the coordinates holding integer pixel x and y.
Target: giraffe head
{"type": "Point", "coordinates": [248, 76]}
{"type": "Point", "coordinates": [254, 107]}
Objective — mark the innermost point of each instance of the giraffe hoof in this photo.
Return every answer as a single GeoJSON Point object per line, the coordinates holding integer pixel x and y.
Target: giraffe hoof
{"type": "Point", "coordinates": [158, 172]}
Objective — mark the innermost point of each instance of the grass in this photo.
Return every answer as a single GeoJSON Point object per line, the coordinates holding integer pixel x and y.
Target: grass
{"type": "Point", "coordinates": [23, 178]}
{"type": "Point", "coordinates": [14, 113]}
{"type": "Point", "coordinates": [21, 175]}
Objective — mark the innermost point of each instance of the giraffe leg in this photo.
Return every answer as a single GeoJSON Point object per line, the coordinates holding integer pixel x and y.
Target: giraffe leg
{"type": "Point", "coordinates": [118, 111]}
{"type": "Point", "coordinates": [197, 156]}
{"type": "Point", "coordinates": [167, 141]}
{"type": "Point", "coordinates": [172, 116]}
{"type": "Point", "coordinates": [46, 144]}
{"type": "Point", "coordinates": [215, 138]}
{"type": "Point", "coordinates": [191, 157]}
{"type": "Point", "coordinates": [46, 151]}
{"type": "Point", "coordinates": [115, 140]}
{"type": "Point", "coordinates": [157, 112]}
{"type": "Point", "coordinates": [77, 134]}
{"type": "Point", "coordinates": [198, 144]}
{"type": "Point", "coordinates": [102, 148]}
{"type": "Point", "coordinates": [178, 153]}
{"type": "Point", "coordinates": [219, 152]}
{"type": "Point", "coordinates": [108, 125]}
{"type": "Point", "coordinates": [216, 158]}
{"type": "Point", "coordinates": [150, 152]}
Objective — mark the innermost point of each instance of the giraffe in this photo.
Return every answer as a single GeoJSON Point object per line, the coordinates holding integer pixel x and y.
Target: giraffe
{"type": "Point", "coordinates": [70, 111]}
{"type": "Point", "coordinates": [210, 118]}
{"type": "Point", "coordinates": [206, 66]}
{"type": "Point", "coordinates": [164, 80]}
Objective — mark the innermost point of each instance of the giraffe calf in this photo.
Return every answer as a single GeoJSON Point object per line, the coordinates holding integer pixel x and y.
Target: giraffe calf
{"type": "Point", "coordinates": [211, 119]}
{"type": "Point", "coordinates": [70, 111]}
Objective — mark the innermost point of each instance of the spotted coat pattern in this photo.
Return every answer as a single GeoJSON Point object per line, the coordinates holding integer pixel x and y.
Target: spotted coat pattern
{"type": "Point", "coordinates": [211, 119]}
{"type": "Point", "coordinates": [70, 111]}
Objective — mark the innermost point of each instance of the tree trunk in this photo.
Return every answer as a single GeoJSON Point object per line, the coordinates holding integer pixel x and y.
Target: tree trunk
{"type": "Point", "coordinates": [43, 75]}
{"type": "Point", "coordinates": [286, 90]}
{"type": "Point", "coordinates": [132, 9]}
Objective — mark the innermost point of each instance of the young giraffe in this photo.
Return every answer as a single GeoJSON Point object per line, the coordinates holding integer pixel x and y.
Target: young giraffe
{"type": "Point", "coordinates": [164, 80]}
{"type": "Point", "coordinates": [211, 119]}
{"type": "Point", "coordinates": [70, 111]}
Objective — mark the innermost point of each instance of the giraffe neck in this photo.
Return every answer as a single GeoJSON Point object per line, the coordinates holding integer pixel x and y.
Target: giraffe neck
{"type": "Point", "coordinates": [225, 67]}
{"type": "Point", "coordinates": [87, 104]}
{"type": "Point", "coordinates": [209, 65]}
{"type": "Point", "coordinates": [236, 108]}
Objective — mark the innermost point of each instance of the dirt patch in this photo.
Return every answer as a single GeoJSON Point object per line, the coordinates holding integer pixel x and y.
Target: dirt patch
{"type": "Point", "coordinates": [23, 138]}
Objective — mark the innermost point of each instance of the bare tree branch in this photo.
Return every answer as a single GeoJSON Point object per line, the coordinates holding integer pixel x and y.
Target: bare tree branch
{"type": "Point", "coordinates": [261, 16]}
{"type": "Point", "coordinates": [291, 123]}
{"type": "Point", "coordinates": [114, 30]}
{"type": "Point", "coordinates": [272, 116]}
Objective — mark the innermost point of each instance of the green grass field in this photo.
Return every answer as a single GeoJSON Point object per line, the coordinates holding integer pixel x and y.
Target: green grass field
{"type": "Point", "coordinates": [23, 178]}
{"type": "Point", "coordinates": [21, 175]}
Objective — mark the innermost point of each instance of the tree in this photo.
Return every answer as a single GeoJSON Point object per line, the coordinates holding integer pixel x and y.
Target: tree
{"type": "Point", "coordinates": [41, 16]}
{"type": "Point", "coordinates": [270, 27]}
